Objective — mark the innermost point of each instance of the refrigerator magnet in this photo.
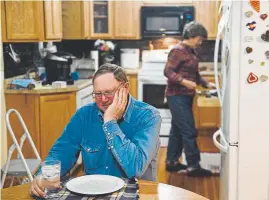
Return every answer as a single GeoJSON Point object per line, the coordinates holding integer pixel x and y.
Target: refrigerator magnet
{"type": "Point", "coordinates": [264, 78]}
{"type": "Point", "coordinates": [262, 63]}
{"type": "Point", "coordinates": [252, 78]}
{"type": "Point", "coordinates": [248, 13]}
{"type": "Point", "coordinates": [255, 5]}
{"type": "Point", "coordinates": [265, 36]}
{"type": "Point", "coordinates": [251, 25]}
{"type": "Point", "coordinates": [263, 16]}
{"type": "Point", "coordinates": [267, 54]}
{"type": "Point", "coordinates": [250, 61]}
{"type": "Point", "coordinates": [248, 39]}
{"type": "Point", "coordinates": [249, 49]}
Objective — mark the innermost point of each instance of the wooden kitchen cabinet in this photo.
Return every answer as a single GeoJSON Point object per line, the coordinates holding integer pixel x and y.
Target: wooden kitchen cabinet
{"type": "Point", "coordinates": [28, 107]}
{"type": "Point", "coordinates": [53, 20]}
{"type": "Point", "coordinates": [55, 112]}
{"type": "Point", "coordinates": [87, 19]}
{"type": "Point", "coordinates": [45, 117]}
{"type": "Point", "coordinates": [22, 20]}
{"type": "Point", "coordinates": [206, 12]}
{"type": "Point", "coordinates": [101, 19]}
{"type": "Point", "coordinates": [126, 19]}
{"type": "Point", "coordinates": [207, 112]}
{"type": "Point", "coordinates": [101, 25]}
{"type": "Point", "coordinates": [76, 19]}
{"type": "Point", "coordinates": [133, 84]}
{"type": "Point", "coordinates": [31, 21]}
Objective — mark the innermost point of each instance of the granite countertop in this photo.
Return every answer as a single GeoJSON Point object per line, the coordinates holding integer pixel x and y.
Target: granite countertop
{"type": "Point", "coordinates": [78, 85]}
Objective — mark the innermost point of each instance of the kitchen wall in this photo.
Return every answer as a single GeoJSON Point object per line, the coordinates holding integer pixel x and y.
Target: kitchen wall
{"type": "Point", "coordinates": [30, 57]}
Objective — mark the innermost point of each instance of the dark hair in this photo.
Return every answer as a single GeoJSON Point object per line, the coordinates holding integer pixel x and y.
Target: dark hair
{"type": "Point", "coordinates": [116, 70]}
{"type": "Point", "coordinates": [194, 29]}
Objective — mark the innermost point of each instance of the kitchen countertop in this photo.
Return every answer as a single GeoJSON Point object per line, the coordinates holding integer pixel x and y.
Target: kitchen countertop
{"type": "Point", "coordinates": [78, 85]}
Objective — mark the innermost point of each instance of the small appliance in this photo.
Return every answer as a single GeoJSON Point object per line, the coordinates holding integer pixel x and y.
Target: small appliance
{"type": "Point", "coordinates": [129, 58]}
{"type": "Point", "coordinates": [57, 67]}
{"type": "Point", "coordinates": [165, 21]}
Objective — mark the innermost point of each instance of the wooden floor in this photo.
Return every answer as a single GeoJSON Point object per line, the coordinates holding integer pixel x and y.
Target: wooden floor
{"type": "Point", "coordinates": [207, 187]}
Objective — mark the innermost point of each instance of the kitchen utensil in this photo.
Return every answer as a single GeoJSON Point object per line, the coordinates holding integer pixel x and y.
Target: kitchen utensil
{"type": "Point", "coordinates": [14, 55]}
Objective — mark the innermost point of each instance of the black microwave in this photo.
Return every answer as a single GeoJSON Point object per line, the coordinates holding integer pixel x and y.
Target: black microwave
{"type": "Point", "coordinates": [165, 21]}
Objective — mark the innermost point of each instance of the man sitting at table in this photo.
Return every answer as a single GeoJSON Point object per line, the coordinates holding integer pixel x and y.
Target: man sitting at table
{"type": "Point", "coordinates": [117, 134]}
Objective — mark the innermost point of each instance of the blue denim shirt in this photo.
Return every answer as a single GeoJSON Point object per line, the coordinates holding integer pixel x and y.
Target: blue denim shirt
{"type": "Point", "coordinates": [127, 148]}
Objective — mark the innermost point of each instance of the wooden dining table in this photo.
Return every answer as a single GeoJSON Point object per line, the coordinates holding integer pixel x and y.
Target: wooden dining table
{"type": "Point", "coordinates": [147, 191]}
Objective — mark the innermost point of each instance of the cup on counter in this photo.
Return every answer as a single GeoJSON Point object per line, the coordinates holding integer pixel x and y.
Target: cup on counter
{"type": "Point", "coordinates": [51, 175]}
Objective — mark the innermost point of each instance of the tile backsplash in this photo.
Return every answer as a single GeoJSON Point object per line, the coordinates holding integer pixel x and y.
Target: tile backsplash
{"type": "Point", "coordinates": [30, 57]}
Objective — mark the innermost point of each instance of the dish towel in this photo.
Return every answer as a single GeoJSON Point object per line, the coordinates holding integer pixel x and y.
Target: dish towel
{"type": "Point", "coordinates": [128, 192]}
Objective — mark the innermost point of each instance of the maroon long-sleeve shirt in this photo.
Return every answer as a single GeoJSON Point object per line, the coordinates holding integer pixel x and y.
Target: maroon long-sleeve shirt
{"type": "Point", "coordinates": [182, 63]}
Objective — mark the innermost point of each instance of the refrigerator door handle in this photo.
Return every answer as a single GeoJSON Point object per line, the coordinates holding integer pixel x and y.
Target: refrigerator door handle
{"type": "Point", "coordinates": [221, 27]}
{"type": "Point", "coordinates": [220, 146]}
{"type": "Point", "coordinates": [216, 73]}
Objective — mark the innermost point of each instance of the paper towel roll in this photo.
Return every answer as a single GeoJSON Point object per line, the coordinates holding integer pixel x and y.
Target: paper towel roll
{"type": "Point", "coordinates": [95, 56]}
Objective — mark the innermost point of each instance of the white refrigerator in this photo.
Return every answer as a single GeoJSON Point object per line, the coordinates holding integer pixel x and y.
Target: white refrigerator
{"type": "Point", "coordinates": [243, 90]}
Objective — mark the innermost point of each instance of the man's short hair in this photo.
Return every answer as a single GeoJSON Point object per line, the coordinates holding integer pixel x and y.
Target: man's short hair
{"type": "Point", "coordinates": [194, 29]}
{"type": "Point", "coordinates": [116, 70]}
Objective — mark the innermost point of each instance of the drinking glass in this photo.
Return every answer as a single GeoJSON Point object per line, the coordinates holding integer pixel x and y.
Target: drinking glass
{"type": "Point", "coordinates": [51, 175]}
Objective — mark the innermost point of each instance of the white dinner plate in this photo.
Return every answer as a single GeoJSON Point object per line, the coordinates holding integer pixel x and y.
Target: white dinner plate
{"type": "Point", "coordinates": [95, 184]}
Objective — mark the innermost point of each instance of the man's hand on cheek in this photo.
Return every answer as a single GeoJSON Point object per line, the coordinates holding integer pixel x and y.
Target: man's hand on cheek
{"type": "Point", "coordinates": [116, 109]}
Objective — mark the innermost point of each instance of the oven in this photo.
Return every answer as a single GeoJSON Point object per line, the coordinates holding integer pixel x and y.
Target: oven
{"type": "Point", "coordinates": [151, 89]}
{"type": "Point", "coordinates": [152, 92]}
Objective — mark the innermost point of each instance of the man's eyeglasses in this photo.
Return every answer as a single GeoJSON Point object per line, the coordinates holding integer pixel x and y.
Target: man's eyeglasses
{"type": "Point", "coordinates": [105, 93]}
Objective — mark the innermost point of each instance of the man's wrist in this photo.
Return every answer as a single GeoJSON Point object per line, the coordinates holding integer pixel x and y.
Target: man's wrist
{"type": "Point", "coordinates": [107, 119]}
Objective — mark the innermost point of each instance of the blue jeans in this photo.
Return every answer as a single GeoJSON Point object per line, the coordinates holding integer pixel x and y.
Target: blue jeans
{"type": "Point", "coordinates": [183, 133]}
